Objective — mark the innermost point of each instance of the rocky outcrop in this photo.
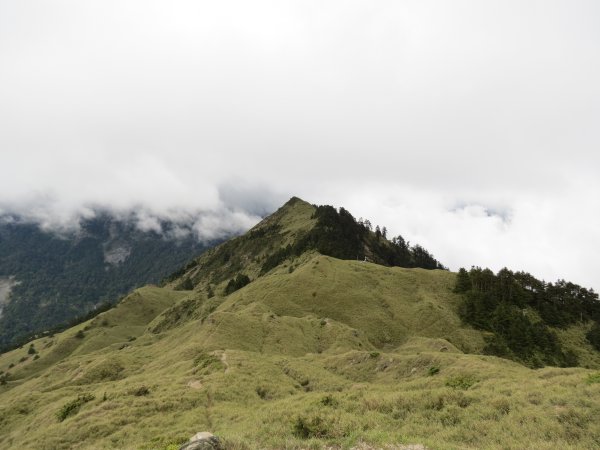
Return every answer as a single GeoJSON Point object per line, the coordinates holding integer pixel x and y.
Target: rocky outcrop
{"type": "Point", "coordinates": [203, 441]}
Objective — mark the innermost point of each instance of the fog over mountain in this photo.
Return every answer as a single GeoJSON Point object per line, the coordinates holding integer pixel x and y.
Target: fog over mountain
{"type": "Point", "coordinates": [469, 127]}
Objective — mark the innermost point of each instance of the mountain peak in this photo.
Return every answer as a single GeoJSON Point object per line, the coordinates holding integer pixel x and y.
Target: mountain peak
{"type": "Point", "coordinates": [293, 216]}
{"type": "Point", "coordinates": [296, 228]}
{"type": "Point", "coordinates": [292, 201]}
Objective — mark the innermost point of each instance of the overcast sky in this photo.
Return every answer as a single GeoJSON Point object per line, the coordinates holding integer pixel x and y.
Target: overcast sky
{"type": "Point", "coordinates": [470, 127]}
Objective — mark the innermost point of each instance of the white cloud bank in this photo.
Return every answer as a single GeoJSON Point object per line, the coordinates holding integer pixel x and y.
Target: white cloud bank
{"type": "Point", "coordinates": [470, 127]}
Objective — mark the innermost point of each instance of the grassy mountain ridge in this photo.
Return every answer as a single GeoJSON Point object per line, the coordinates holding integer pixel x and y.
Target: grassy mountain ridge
{"type": "Point", "coordinates": [316, 351]}
{"type": "Point", "coordinates": [293, 230]}
{"type": "Point", "coordinates": [247, 252]}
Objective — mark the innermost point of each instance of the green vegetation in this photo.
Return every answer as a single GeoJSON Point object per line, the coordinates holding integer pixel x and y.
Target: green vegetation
{"type": "Point", "coordinates": [593, 336]}
{"type": "Point", "coordinates": [433, 370]}
{"type": "Point", "coordinates": [336, 233]}
{"type": "Point", "coordinates": [522, 311]}
{"type": "Point", "coordinates": [315, 427]}
{"type": "Point", "coordinates": [71, 408]}
{"type": "Point", "coordinates": [59, 279]}
{"type": "Point", "coordinates": [258, 364]}
{"type": "Point", "coordinates": [463, 382]}
{"type": "Point", "coordinates": [593, 378]}
{"type": "Point", "coordinates": [335, 353]}
{"type": "Point", "coordinates": [236, 283]}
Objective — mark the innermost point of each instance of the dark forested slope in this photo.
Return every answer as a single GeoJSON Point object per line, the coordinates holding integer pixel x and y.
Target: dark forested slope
{"type": "Point", "coordinates": [522, 313]}
{"type": "Point", "coordinates": [54, 278]}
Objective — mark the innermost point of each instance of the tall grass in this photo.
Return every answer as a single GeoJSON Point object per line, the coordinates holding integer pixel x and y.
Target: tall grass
{"type": "Point", "coordinates": [377, 356]}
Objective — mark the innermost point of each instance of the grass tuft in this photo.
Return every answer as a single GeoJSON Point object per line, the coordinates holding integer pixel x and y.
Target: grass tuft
{"type": "Point", "coordinates": [463, 382]}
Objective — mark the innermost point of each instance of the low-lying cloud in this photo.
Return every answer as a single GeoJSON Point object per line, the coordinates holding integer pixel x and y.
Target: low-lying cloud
{"type": "Point", "coordinates": [173, 223]}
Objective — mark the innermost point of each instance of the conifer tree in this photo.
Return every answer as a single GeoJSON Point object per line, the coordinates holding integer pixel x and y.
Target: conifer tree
{"type": "Point", "coordinates": [463, 281]}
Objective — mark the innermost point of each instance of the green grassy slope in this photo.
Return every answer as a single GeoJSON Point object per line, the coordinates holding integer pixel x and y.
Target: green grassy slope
{"type": "Point", "coordinates": [384, 306]}
{"type": "Point", "coordinates": [377, 361]}
{"type": "Point", "coordinates": [112, 329]}
{"type": "Point", "coordinates": [247, 252]}
{"type": "Point", "coordinates": [318, 352]}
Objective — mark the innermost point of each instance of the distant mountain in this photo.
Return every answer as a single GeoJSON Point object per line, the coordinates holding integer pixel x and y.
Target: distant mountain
{"type": "Point", "coordinates": [47, 278]}
{"type": "Point", "coordinates": [313, 330]}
